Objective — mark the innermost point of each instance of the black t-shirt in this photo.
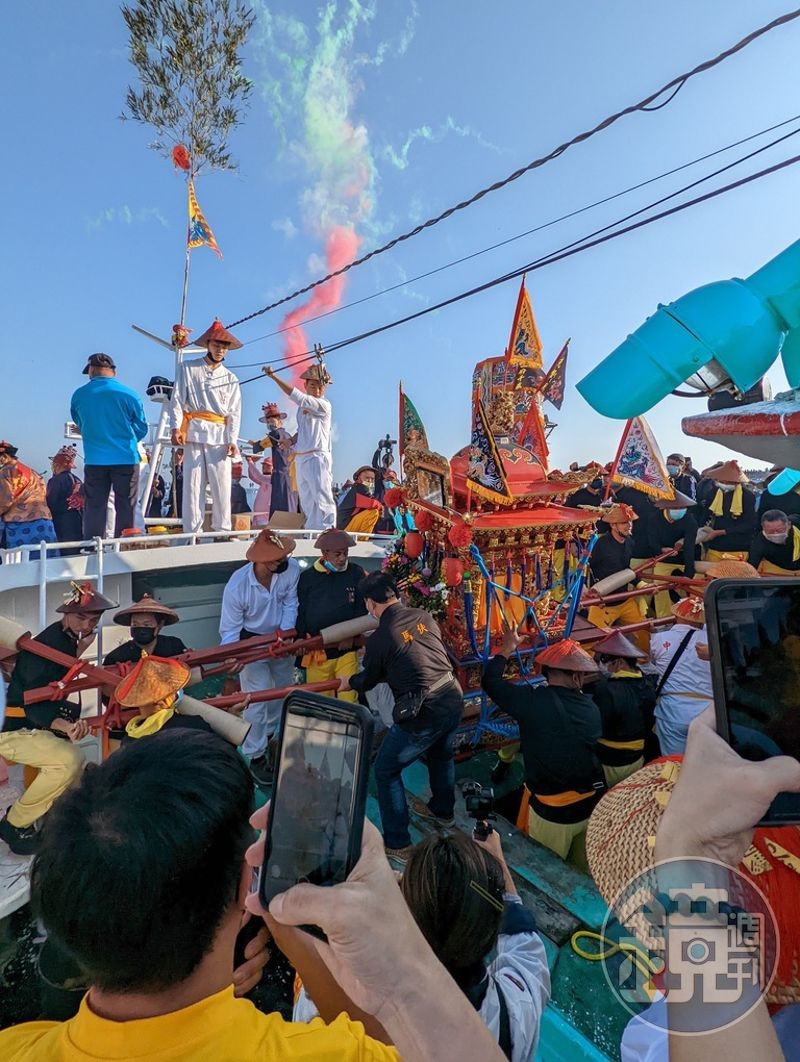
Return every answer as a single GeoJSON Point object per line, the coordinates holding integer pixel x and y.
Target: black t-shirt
{"type": "Point", "coordinates": [778, 553]}
{"type": "Point", "coordinates": [739, 530]}
{"type": "Point", "coordinates": [625, 710]}
{"type": "Point", "coordinates": [131, 653]}
{"type": "Point", "coordinates": [610, 556]}
{"type": "Point", "coordinates": [32, 671]}
{"type": "Point", "coordinates": [558, 732]}
{"type": "Point", "coordinates": [325, 598]}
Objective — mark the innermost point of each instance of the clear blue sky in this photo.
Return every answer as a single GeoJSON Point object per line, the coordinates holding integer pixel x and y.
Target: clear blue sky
{"type": "Point", "coordinates": [94, 222]}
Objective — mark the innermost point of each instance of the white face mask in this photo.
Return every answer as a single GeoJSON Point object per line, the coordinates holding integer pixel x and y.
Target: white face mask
{"type": "Point", "coordinates": [726, 488]}
{"type": "Point", "coordinates": [779, 537]}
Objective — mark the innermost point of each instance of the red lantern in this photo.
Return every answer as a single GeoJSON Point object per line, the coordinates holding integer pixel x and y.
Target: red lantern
{"type": "Point", "coordinates": [413, 545]}
{"type": "Point", "coordinates": [452, 571]}
{"type": "Point", "coordinates": [180, 157]}
{"type": "Point", "coordinates": [394, 497]}
{"type": "Point", "coordinates": [459, 535]}
{"type": "Point", "coordinates": [423, 520]}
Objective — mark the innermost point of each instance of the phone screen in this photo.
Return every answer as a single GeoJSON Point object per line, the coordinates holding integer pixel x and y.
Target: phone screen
{"type": "Point", "coordinates": [312, 808]}
{"type": "Point", "coordinates": [758, 627]}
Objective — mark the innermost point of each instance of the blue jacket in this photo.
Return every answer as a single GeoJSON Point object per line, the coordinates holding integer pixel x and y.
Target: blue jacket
{"type": "Point", "coordinates": [111, 420]}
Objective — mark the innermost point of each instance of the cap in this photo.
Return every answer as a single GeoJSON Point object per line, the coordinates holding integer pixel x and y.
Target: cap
{"type": "Point", "coordinates": [99, 361]}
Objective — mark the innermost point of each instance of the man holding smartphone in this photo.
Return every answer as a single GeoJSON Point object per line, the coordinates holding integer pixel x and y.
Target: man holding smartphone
{"type": "Point", "coordinates": [406, 651]}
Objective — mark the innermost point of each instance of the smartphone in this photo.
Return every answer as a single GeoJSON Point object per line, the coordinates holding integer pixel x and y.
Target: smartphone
{"type": "Point", "coordinates": [316, 814]}
{"type": "Point", "coordinates": [754, 644]}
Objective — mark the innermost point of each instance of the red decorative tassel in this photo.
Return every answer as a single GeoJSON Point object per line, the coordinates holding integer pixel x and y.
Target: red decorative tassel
{"type": "Point", "coordinates": [180, 157]}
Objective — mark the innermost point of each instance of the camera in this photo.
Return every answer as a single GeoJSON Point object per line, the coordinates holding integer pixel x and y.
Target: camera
{"type": "Point", "coordinates": [479, 804]}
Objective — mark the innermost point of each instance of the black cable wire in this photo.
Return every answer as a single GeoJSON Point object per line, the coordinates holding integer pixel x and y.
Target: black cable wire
{"type": "Point", "coordinates": [550, 259]}
{"type": "Point", "coordinates": [518, 236]}
{"type": "Point", "coordinates": [642, 105]}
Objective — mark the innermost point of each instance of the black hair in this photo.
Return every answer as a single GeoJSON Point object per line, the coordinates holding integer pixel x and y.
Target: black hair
{"type": "Point", "coordinates": [140, 862]}
{"type": "Point", "coordinates": [454, 890]}
{"type": "Point", "coordinates": [775, 514]}
{"type": "Point", "coordinates": [378, 587]}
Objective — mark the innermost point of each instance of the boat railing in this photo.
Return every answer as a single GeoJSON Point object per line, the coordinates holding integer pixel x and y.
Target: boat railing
{"type": "Point", "coordinates": [100, 548]}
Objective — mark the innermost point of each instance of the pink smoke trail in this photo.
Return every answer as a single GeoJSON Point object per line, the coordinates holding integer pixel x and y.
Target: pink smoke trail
{"type": "Point", "coordinates": [341, 247]}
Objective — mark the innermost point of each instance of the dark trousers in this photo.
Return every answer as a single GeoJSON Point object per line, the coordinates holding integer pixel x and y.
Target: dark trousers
{"type": "Point", "coordinates": [431, 739]}
{"type": "Point", "coordinates": [97, 483]}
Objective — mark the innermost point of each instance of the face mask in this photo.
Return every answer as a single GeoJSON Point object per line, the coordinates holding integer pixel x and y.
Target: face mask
{"type": "Point", "coordinates": [596, 484]}
{"type": "Point", "coordinates": [282, 566]}
{"type": "Point", "coordinates": [143, 635]}
{"type": "Point", "coordinates": [779, 537]}
{"type": "Point", "coordinates": [331, 568]}
{"type": "Point", "coordinates": [676, 514]}
{"type": "Point", "coordinates": [673, 469]}
{"type": "Point", "coordinates": [726, 488]}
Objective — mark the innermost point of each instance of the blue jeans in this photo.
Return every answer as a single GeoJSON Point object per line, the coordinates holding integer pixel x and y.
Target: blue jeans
{"type": "Point", "coordinates": [403, 746]}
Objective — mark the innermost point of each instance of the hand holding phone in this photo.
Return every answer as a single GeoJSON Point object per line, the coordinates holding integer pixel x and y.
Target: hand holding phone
{"type": "Point", "coordinates": [754, 647]}
{"type": "Point", "coordinates": [316, 814]}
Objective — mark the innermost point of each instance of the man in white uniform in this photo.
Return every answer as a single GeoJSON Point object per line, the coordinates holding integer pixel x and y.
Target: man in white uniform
{"type": "Point", "coordinates": [261, 598]}
{"type": "Point", "coordinates": [687, 691]}
{"type": "Point", "coordinates": [313, 460]}
{"type": "Point", "coordinates": [205, 414]}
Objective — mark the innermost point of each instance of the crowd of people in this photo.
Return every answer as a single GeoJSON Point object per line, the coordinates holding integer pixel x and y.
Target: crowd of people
{"type": "Point", "coordinates": [293, 477]}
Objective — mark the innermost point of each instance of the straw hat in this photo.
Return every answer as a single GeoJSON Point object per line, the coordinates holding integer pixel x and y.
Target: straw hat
{"type": "Point", "coordinates": [84, 598]}
{"type": "Point", "coordinates": [616, 644]}
{"type": "Point", "coordinates": [218, 331]}
{"type": "Point", "coordinates": [619, 514]}
{"type": "Point", "coordinates": [726, 472]}
{"type": "Point", "coordinates": [151, 680]}
{"type": "Point", "coordinates": [333, 539]}
{"type": "Point", "coordinates": [147, 604]}
{"type": "Point", "coordinates": [567, 655]}
{"type": "Point", "coordinates": [271, 410]}
{"type": "Point", "coordinates": [269, 547]}
{"type": "Point", "coordinates": [690, 610]}
{"type": "Point", "coordinates": [677, 501]}
{"type": "Point", "coordinates": [317, 372]}
{"type": "Point", "coordinates": [731, 569]}
{"type": "Point", "coordinates": [619, 846]}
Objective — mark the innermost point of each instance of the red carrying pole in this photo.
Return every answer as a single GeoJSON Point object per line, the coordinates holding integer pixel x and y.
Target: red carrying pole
{"type": "Point", "coordinates": [230, 699]}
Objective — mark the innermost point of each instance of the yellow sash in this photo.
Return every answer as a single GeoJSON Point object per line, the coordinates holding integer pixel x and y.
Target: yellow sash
{"type": "Point", "coordinates": [145, 725]}
{"type": "Point", "coordinates": [736, 502]}
{"type": "Point", "coordinates": [768, 568]}
{"type": "Point", "coordinates": [634, 746]}
{"type": "Point", "coordinates": [201, 414]}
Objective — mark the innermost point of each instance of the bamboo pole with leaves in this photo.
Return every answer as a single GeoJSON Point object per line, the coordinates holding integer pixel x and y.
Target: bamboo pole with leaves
{"type": "Point", "coordinates": [192, 94]}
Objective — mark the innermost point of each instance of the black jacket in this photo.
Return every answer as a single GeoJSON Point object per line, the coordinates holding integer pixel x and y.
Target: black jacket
{"type": "Point", "coordinates": [32, 671]}
{"type": "Point", "coordinates": [407, 652]}
{"type": "Point", "coordinates": [668, 532]}
{"type": "Point", "coordinates": [780, 554]}
{"type": "Point", "coordinates": [739, 530]}
{"type": "Point", "coordinates": [645, 538]}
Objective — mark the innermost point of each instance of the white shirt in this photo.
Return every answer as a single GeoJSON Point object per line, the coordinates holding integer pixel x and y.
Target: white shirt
{"type": "Point", "coordinates": [688, 689]}
{"type": "Point", "coordinates": [521, 971]}
{"type": "Point", "coordinates": [201, 389]}
{"type": "Point", "coordinates": [313, 423]}
{"type": "Point", "coordinates": [246, 603]}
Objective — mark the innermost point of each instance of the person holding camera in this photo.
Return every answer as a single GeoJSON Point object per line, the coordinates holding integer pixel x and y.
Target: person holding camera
{"type": "Point", "coordinates": [407, 652]}
{"type": "Point", "coordinates": [559, 727]}
{"type": "Point", "coordinates": [464, 900]}
{"type": "Point", "coordinates": [160, 969]}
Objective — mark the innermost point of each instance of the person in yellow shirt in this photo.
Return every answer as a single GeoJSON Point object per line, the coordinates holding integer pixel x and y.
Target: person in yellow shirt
{"type": "Point", "coordinates": [141, 878]}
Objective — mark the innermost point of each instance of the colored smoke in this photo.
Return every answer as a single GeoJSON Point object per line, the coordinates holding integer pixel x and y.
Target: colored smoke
{"type": "Point", "coordinates": [341, 247]}
{"type": "Point", "coordinates": [313, 82]}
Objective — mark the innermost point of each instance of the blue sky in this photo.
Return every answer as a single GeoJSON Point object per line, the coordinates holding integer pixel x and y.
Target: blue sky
{"type": "Point", "coordinates": [450, 97]}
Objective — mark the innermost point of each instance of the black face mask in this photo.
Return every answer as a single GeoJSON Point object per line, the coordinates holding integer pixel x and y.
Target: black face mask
{"type": "Point", "coordinates": [596, 484]}
{"type": "Point", "coordinates": [282, 566]}
{"type": "Point", "coordinates": [143, 635]}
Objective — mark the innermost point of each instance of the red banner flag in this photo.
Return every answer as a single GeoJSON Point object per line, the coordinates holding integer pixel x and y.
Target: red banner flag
{"type": "Point", "coordinates": [524, 346]}
{"type": "Point", "coordinates": [554, 384]}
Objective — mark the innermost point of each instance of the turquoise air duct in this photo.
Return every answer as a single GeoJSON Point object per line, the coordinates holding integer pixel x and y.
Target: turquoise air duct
{"type": "Point", "coordinates": [741, 325]}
